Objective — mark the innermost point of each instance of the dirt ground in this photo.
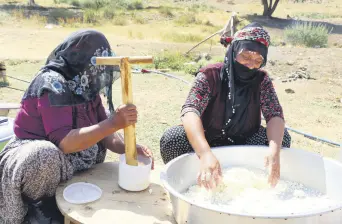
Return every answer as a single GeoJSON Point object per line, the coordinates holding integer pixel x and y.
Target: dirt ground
{"type": "Point", "coordinates": [314, 105]}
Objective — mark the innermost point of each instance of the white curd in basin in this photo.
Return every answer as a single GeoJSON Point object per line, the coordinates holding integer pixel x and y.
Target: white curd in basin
{"type": "Point", "coordinates": [246, 190]}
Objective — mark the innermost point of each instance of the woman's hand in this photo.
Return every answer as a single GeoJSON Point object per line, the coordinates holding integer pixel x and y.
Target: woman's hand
{"type": "Point", "coordinates": [272, 162]}
{"type": "Point", "coordinates": [145, 151]}
{"type": "Point", "coordinates": [210, 171]}
{"type": "Point", "coordinates": [275, 133]}
{"type": "Point", "coordinates": [125, 115]}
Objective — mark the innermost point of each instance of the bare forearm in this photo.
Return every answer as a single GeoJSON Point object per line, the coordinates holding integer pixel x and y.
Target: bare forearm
{"type": "Point", "coordinates": [83, 138]}
{"type": "Point", "coordinates": [195, 133]}
{"type": "Point", "coordinates": [115, 143]}
{"type": "Point", "coordinates": [275, 133]}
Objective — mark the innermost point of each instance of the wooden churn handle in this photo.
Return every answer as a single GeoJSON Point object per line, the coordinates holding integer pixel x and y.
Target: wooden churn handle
{"type": "Point", "coordinates": [127, 97]}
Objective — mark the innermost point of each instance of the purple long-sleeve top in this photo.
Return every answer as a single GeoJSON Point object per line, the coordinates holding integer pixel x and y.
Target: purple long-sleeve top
{"type": "Point", "coordinates": [37, 119]}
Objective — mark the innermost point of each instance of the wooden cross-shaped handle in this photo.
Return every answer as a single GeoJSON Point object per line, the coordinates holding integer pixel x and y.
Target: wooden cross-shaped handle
{"type": "Point", "coordinates": [127, 97]}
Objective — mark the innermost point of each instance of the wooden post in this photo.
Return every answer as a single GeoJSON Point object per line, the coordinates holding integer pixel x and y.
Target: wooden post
{"type": "Point", "coordinates": [3, 72]}
{"type": "Point", "coordinates": [127, 97]}
{"type": "Point", "coordinates": [230, 26]}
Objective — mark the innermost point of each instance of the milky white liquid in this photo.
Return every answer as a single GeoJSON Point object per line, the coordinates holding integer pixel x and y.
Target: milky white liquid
{"type": "Point", "coordinates": [245, 190]}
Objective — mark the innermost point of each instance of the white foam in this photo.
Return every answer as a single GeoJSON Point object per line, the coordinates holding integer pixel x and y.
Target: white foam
{"type": "Point", "coordinates": [245, 190]}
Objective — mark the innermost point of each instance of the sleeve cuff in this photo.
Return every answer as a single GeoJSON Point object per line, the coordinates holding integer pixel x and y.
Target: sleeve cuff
{"type": "Point", "coordinates": [189, 109]}
{"type": "Point", "coordinates": [274, 115]}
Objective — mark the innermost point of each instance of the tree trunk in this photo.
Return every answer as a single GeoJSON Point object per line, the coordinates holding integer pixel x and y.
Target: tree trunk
{"type": "Point", "coordinates": [269, 8]}
{"type": "Point", "coordinates": [274, 7]}
{"type": "Point", "coordinates": [31, 2]}
{"type": "Point", "coordinates": [265, 3]}
{"type": "Point", "coordinates": [270, 5]}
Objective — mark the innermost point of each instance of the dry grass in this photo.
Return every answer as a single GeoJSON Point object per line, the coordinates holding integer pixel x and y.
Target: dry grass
{"type": "Point", "coordinates": [316, 15]}
{"type": "Point", "coordinates": [309, 110]}
{"type": "Point", "coordinates": [333, 8]}
{"type": "Point", "coordinates": [166, 11]}
{"type": "Point", "coordinates": [159, 101]}
{"type": "Point", "coordinates": [151, 24]}
{"type": "Point", "coordinates": [120, 21]}
{"type": "Point", "coordinates": [182, 37]}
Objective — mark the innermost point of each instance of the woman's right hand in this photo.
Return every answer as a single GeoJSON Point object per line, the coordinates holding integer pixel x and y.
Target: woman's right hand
{"type": "Point", "coordinates": [125, 115]}
{"type": "Point", "coordinates": [210, 171]}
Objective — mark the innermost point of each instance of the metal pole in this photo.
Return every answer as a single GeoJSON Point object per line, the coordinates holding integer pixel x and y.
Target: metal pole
{"type": "Point", "coordinates": [314, 137]}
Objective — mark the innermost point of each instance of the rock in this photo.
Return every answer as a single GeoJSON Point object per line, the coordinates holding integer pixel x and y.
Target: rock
{"type": "Point", "coordinates": [291, 91]}
{"type": "Point", "coordinates": [303, 68]}
{"type": "Point", "coordinates": [291, 76]}
{"type": "Point", "coordinates": [206, 56]}
{"type": "Point", "coordinates": [272, 62]}
{"type": "Point", "coordinates": [49, 26]}
{"type": "Point", "coordinates": [307, 76]}
{"type": "Point", "coordinates": [198, 58]}
{"type": "Point", "coordinates": [290, 62]}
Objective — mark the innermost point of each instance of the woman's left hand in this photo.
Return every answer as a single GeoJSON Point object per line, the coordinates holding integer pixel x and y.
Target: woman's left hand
{"type": "Point", "coordinates": [145, 151]}
{"type": "Point", "coordinates": [272, 162]}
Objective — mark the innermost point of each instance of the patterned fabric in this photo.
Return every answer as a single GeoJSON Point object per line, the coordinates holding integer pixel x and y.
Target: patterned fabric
{"type": "Point", "coordinates": [253, 33]}
{"type": "Point", "coordinates": [34, 169]}
{"type": "Point", "coordinates": [174, 142]}
{"type": "Point", "coordinates": [269, 101]}
{"type": "Point", "coordinates": [248, 33]}
{"type": "Point", "coordinates": [30, 168]}
{"type": "Point", "coordinates": [70, 74]}
{"type": "Point", "coordinates": [242, 85]}
{"type": "Point", "coordinates": [200, 96]}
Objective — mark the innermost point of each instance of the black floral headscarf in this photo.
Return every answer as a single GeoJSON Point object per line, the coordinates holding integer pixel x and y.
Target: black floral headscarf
{"type": "Point", "coordinates": [70, 76]}
{"type": "Point", "coordinates": [242, 115]}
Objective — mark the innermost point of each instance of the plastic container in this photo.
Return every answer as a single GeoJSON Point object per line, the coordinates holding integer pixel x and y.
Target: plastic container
{"type": "Point", "coordinates": [135, 178]}
{"type": "Point", "coordinates": [6, 130]}
{"type": "Point", "coordinates": [82, 193]}
{"type": "Point", "coordinates": [339, 155]}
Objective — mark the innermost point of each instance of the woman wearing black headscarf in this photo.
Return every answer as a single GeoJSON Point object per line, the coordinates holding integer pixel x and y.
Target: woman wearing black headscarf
{"type": "Point", "coordinates": [224, 108]}
{"type": "Point", "coordinates": [61, 128]}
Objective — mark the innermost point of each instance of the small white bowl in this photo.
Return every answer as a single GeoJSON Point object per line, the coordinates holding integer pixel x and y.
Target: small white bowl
{"type": "Point", "coordinates": [135, 178]}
